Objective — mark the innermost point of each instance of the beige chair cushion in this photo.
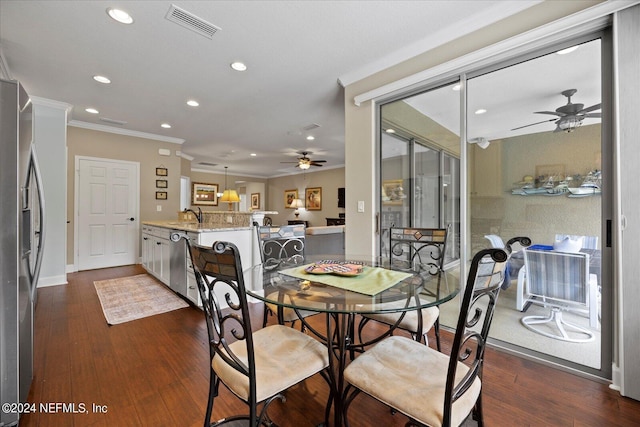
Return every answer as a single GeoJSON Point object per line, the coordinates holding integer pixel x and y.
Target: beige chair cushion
{"type": "Point", "coordinates": [284, 357]}
{"type": "Point", "coordinates": [411, 378]}
{"type": "Point", "coordinates": [410, 320]}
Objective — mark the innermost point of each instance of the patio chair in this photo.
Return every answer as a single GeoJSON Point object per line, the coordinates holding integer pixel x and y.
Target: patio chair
{"type": "Point", "coordinates": [560, 282]}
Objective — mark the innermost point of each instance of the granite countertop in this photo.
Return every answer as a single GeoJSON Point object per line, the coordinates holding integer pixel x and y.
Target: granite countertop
{"type": "Point", "coordinates": [194, 226]}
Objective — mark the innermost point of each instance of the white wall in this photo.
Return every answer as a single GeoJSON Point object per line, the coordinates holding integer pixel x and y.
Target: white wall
{"type": "Point", "coordinates": [50, 137]}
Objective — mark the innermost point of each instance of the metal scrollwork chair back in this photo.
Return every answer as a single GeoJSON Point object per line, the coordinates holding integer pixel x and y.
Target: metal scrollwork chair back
{"type": "Point", "coordinates": [421, 250]}
{"type": "Point", "coordinates": [238, 355]}
{"type": "Point", "coordinates": [277, 243]}
{"type": "Point", "coordinates": [447, 387]}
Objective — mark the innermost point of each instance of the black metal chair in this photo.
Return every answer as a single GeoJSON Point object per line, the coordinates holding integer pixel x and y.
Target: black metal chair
{"type": "Point", "coordinates": [277, 243]}
{"type": "Point", "coordinates": [427, 386]}
{"type": "Point", "coordinates": [256, 366]}
{"type": "Point", "coordinates": [421, 250]}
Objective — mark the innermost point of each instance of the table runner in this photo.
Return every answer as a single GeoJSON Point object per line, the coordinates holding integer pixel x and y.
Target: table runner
{"type": "Point", "coordinates": [371, 281]}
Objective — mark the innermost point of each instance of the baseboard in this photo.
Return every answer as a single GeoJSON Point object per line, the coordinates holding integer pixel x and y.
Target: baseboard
{"type": "Point", "coordinates": [52, 281]}
{"type": "Point", "coordinates": [71, 268]}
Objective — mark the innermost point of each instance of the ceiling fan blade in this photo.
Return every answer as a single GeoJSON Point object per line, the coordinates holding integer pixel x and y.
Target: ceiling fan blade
{"type": "Point", "coordinates": [592, 108]}
{"type": "Point", "coordinates": [315, 164]}
{"type": "Point", "coordinates": [549, 112]}
{"type": "Point", "coordinates": [593, 115]}
{"type": "Point", "coordinates": [532, 124]}
{"type": "Point", "coordinates": [289, 162]}
{"type": "Point", "coordinates": [319, 161]}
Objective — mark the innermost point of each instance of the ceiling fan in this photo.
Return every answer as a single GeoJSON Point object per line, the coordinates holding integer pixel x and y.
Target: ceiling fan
{"type": "Point", "coordinates": [305, 162]}
{"type": "Point", "coordinates": [569, 116]}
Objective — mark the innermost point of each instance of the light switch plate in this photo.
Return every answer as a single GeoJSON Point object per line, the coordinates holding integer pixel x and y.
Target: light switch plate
{"type": "Point", "coordinates": [360, 205]}
{"type": "Point", "coordinates": [159, 208]}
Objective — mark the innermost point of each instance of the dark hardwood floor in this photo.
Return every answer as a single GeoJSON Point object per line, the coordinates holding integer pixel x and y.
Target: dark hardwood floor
{"type": "Point", "coordinates": [154, 371]}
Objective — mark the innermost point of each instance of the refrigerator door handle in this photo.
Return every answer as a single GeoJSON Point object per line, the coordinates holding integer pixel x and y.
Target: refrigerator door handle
{"type": "Point", "coordinates": [35, 167]}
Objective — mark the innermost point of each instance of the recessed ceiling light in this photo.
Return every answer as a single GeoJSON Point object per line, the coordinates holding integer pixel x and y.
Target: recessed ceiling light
{"type": "Point", "coordinates": [567, 50]}
{"type": "Point", "coordinates": [457, 86]}
{"type": "Point", "coordinates": [310, 138]}
{"type": "Point", "coordinates": [101, 79]}
{"type": "Point", "coordinates": [481, 111]}
{"type": "Point", "coordinates": [91, 110]}
{"type": "Point", "coordinates": [192, 103]}
{"type": "Point", "coordinates": [166, 125]}
{"type": "Point", "coordinates": [120, 15]}
{"type": "Point", "coordinates": [238, 66]}
{"type": "Point", "coordinates": [390, 130]}
{"type": "Point", "coordinates": [253, 154]}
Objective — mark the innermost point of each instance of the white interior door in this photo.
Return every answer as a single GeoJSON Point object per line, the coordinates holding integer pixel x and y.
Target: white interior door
{"type": "Point", "coordinates": [107, 213]}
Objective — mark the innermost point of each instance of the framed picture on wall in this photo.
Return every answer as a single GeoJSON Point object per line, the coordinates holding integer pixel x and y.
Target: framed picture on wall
{"type": "Point", "coordinates": [204, 194]}
{"type": "Point", "coordinates": [255, 200]}
{"type": "Point", "coordinates": [313, 198]}
{"type": "Point", "coordinates": [162, 183]}
{"type": "Point", "coordinates": [392, 192]}
{"type": "Point", "coordinates": [161, 195]}
{"type": "Point", "coordinates": [162, 172]}
{"type": "Point", "coordinates": [290, 196]}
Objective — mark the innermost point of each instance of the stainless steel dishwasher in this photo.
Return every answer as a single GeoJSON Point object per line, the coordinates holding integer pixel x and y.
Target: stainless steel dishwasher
{"type": "Point", "coordinates": [178, 269]}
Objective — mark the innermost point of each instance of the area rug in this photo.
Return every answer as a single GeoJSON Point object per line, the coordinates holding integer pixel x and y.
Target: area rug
{"type": "Point", "coordinates": [130, 298]}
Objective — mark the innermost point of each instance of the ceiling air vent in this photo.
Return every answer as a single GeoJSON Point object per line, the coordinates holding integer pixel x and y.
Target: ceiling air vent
{"type": "Point", "coordinates": [312, 126]}
{"type": "Point", "coordinates": [207, 164]}
{"type": "Point", "coordinates": [113, 121]}
{"type": "Point", "coordinates": [191, 22]}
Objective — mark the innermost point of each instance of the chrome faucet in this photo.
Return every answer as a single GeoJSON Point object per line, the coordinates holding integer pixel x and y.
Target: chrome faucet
{"type": "Point", "coordinates": [198, 215]}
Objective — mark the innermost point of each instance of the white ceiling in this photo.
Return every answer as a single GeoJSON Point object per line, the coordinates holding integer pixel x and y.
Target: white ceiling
{"type": "Point", "coordinates": [297, 53]}
{"type": "Point", "coordinates": [512, 95]}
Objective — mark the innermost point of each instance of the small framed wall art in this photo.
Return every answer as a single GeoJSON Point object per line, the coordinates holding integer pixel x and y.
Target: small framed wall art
{"type": "Point", "coordinates": [313, 199]}
{"type": "Point", "coordinates": [290, 196]}
{"type": "Point", "coordinates": [161, 195]}
{"type": "Point", "coordinates": [255, 200]}
{"type": "Point", "coordinates": [162, 183]}
{"type": "Point", "coordinates": [204, 194]}
{"type": "Point", "coordinates": [162, 171]}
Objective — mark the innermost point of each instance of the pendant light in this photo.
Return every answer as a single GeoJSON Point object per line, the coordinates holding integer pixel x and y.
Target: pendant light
{"type": "Point", "coordinates": [229, 196]}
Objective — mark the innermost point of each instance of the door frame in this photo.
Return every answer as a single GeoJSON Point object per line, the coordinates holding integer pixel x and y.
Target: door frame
{"type": "Point", "coordinates": [76, 203]}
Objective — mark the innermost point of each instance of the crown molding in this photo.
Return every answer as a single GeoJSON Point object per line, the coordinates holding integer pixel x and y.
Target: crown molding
{"type": "Point", "coordinates": [127, 132]}
{"type": "Point", "coordinates": [44, 102]}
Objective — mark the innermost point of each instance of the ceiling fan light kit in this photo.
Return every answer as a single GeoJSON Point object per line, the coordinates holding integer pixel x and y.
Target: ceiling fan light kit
{"type": "Point", "coordinates": [569, 116]}
{"type": "Point", "coordinates": [305, 162]}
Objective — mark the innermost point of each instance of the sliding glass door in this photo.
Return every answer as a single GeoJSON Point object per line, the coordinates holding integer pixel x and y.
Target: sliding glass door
{"type": "Point", "coordinates": [420, 165]}
{"type": "Point", "coordinates": [538, 161]}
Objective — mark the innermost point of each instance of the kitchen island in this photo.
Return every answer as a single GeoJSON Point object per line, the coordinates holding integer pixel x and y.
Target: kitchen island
{"type": "Point", "coordinates": [169, 261]}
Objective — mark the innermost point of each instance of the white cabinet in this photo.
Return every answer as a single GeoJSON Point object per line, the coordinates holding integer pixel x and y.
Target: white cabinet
{"type": "Point", "coordinates": [156, 255]}
{"type": "Point", "coordinates": [155, 252]}
{"type": "Point", "coordinates": [242, 238]}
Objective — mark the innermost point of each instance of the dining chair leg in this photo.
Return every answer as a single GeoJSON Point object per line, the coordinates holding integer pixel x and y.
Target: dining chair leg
{"type": "Point", "coordinates": [436, 329]}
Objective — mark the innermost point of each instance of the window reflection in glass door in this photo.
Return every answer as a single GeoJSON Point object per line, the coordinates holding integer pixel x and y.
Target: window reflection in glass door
{"type": "Point", "coordinates": [420, 166]}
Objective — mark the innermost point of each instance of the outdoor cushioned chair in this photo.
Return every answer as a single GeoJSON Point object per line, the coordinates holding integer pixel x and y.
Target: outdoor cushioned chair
{"type": "Point", "coordinates": [255, 366]}
{"type": "Point", "coordinates": [560, 281]}
{"type": "Point", "coordinates": [429, 387]}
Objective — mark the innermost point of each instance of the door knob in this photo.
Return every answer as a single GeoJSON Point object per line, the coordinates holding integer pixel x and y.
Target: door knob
{"type": "Point", "coordinates": [132, 219]}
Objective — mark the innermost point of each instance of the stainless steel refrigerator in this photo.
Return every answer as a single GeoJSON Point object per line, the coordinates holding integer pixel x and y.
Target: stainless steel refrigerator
{"type": "Point", "coordinates": [21, 245]}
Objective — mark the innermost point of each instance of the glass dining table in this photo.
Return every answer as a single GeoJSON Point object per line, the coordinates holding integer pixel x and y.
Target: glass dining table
{"type": "Point", "coordinates": [342, 288]}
